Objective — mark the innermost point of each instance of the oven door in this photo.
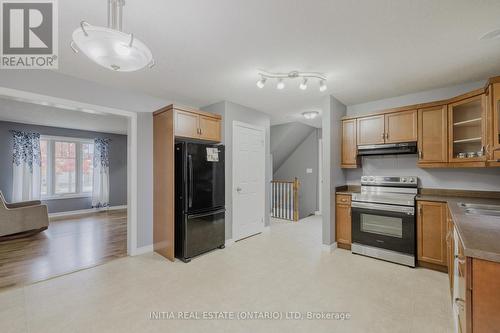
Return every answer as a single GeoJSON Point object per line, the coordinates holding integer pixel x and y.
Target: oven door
{"type": "Point", "coordinates": [388, 227]}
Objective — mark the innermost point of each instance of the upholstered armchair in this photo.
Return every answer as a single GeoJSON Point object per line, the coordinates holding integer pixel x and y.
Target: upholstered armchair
{"type": "Point", "coordinates": [22, 218]}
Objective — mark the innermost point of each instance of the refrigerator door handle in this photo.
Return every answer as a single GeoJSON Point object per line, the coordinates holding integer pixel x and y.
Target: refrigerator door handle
{"type": "Point", "coordinates": [194, 216]}
{"type": "Point", "coordinates": [190, 195]}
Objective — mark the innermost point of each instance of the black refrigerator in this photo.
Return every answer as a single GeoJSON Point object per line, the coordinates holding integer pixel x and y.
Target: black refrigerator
{"type": "Point", "coordinates": [199, 199]}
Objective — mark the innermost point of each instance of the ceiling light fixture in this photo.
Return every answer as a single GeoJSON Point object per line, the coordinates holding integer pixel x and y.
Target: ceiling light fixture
{"type": "Point", "coordinates": [310, 114]}
{"type": "Point", "coordinates": [303, 84]}
{"type": "Point", "coordinates": [281, 84]}
{"type": "Point", "coordinates": [109, 46]}
{"type": "Point", "coordinates": [261, 83]}
{"type": "Point", "coordinates": [305, 76]}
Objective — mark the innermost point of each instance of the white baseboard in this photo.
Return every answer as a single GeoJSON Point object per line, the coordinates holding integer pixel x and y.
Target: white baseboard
{"type": "Point", "coordinates": [317, 213]}
{"type": "Point", "coordinates": [142, 250]}
{"type": "Point", "coordinates": [329, 248]}
{"type": "Point", "coordinates": [86, 211]}
{"type": "Point", "coordinates": [229, 242]}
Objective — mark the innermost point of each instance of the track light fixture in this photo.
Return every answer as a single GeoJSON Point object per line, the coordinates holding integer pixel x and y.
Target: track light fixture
{"type": "Point", "coordinates": [322, 85]}
{"type": "Point", "coordinates": [261, 83]}
{"type": "Point", "coordinates": [304, 76]}
{"type": "Point", "coordinates": [281, 84]}
{"type": "Point", "coordinates": [303, 84]}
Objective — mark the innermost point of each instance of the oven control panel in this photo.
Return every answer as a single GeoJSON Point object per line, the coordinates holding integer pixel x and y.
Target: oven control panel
{"type": "Point", "coordinates": [410, 181]}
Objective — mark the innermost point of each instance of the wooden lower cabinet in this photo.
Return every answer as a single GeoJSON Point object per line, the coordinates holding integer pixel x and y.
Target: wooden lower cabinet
{"type": "Point", "coordinates": [485, 292]}
{"type": "Point", "coordinates": [431, 234]}
{"type": "Point", "coordinates": [450, 249]}
{"type": "Point", "coordinates": [476, 300]}
{"type": "Point", "coordinates": [343, 221]}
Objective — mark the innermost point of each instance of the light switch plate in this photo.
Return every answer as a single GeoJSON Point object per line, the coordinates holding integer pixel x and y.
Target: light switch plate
{"type": "Point", "coordinates": [309, 170]}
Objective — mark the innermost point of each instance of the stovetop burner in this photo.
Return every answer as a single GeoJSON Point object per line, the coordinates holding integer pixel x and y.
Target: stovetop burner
{"type": "Point", "coordinates": [399, 191]}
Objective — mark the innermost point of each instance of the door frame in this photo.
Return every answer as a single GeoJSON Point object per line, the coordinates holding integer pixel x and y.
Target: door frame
{"type": "Point", "coordinates": [235, 234]}
{"type": "Point", "coordinates": [132, 141]}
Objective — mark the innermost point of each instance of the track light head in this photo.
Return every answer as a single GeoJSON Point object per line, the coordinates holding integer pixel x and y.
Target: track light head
{"type": "Point", "coordinates": [322, 86]}
{"type": "Point", "coordinates": [303, 84]}
{"type": "Point", "coordinates": [280, 85]}
{"type": "Point", "coordinates": [261, 83]}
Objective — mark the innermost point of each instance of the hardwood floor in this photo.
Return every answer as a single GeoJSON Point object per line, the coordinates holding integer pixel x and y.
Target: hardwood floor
{"type": "Point", "coordinates": [69, 244]}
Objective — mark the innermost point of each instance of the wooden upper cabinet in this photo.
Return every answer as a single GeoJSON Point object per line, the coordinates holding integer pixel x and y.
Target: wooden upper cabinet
{"type": "Point", "coordinates": [197, 125]}
{"type": "Point", "coordinates": [433, 135]}
{"type": "Point", "coordinates": [349, 148]}
{"type": "Point", "coordinates": [401, 126]}
{"type": "Point", "coordinates": [371, 130]}
{"type": "Point", "coordinates": [431, 232]}
{"type": "Point", "coordinates": [210, 128]}
{"type": "Point", "coordinates": [495, 117]}
{"type": "Point", "coordinates": [186, 124]}
{"type": "Point", "coordinates": [467, 129]}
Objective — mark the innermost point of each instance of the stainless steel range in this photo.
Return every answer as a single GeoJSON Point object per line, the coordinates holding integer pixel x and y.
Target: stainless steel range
{"type": "Point", "coordinates": [383, 219]}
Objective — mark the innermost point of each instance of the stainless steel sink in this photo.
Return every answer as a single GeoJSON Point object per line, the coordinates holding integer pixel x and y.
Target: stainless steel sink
{"type": "Point", "coordinates": [480, 209]}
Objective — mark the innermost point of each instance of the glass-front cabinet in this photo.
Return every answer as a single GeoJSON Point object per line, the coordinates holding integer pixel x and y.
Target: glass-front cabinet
{"type": "Point", "coordinates": [467, 129]}
{"type": "Point", "coordinates": [496, 117]}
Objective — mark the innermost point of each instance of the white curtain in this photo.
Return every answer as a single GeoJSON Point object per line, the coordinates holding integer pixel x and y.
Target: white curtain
{"type": "Point", "coordinates": [26, 166]}
{"type": "Point", "coordinates": [100, 189]}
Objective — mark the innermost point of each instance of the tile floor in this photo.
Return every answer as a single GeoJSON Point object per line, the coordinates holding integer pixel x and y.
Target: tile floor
{"type": "Point", "coordinates": [284, 269]}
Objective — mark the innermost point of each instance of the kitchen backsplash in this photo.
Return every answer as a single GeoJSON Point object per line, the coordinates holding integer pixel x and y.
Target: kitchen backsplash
{"type": "Point", "coordinates": [405, 165]}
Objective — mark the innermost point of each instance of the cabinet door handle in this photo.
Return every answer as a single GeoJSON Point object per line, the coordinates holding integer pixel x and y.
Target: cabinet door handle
{"type": "Point", "coordinates": [460, 302]}
{"type": "Point", "coordinates": [420, 210]}
{"type": "Point", "coordinates": [459, 260]}
{"type": "Point", "coordinates": [387, 135]}
{"type": "Point", "coordinates": [420, 154]}
{"type": "Point", "coordinates": [383, 135]}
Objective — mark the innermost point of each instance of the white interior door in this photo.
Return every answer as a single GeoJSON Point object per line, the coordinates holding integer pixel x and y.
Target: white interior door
{"type": "Point", "coordinates": [249, 183]}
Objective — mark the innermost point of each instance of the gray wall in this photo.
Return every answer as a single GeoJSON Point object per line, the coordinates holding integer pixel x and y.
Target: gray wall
{"type": "Point", "coordinates": [304, 157]}
{"type": "Point", "coordinates": [55, 84]}
{"type": "Point", "coordinates": [473, 179]}
{"type": "Point", "coordinates": [414, 98]}
{"type": "Point", "coordinates": [145, 178]}
{"type": "Point", "coordinates": [285, 138]}
{"type": "Point", "coordinates": [117, 164]}
{"type": "Point", "coordinates": [235, 112]}
{"type": "Point", "coordinates": [333, 175]}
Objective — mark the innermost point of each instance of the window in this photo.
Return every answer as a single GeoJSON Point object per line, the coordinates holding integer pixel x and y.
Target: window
{"type": "Point", "coordinates": [67, 167]}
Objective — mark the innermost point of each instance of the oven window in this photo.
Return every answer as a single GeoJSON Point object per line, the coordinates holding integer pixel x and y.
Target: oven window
{"type": "Point", "coordinates": [382, 225]}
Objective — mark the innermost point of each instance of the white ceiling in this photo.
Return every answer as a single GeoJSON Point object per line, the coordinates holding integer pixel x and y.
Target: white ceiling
{"type": "Point", "coordinates": [207, 51]}
{"type": "Point", "coordinates": [36, 114]}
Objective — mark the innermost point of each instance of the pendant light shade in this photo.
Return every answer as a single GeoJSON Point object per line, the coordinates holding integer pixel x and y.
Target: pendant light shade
{"type": "Point", "coordinates": [110, 47]}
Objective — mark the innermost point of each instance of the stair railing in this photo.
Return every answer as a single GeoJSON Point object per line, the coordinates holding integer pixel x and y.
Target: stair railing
{"type": "Point", "coordinates": [285, 199]}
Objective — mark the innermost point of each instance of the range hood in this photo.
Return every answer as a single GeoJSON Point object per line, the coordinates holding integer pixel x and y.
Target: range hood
{"type": "Point", "coordinates": [388, 149]}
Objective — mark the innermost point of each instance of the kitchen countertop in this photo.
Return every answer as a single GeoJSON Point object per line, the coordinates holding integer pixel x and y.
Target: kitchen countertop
{"type": "Point", "coordinates": [480, 234]}
{"type": "Point", "coordinates": [347, 189]}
